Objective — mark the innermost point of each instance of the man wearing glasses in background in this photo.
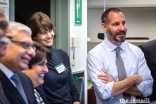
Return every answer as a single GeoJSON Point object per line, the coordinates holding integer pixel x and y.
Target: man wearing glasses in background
{"type": "Point", "coordinates": [18, 89]}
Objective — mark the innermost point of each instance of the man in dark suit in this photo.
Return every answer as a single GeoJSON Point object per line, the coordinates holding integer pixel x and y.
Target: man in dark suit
{"type": "Point", "coordinates": [149, 50]}
{"type": "Point", "coordinates": [3, 28]}
{"type": "Point", "coordinates": [18, 54]}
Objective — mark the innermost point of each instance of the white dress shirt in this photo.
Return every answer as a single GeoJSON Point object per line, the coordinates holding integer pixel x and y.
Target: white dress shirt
{"type": "Point", "coordinates": [104, 56]}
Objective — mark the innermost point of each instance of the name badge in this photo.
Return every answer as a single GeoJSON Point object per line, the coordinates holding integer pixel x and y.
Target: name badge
{"type": "Point", "coordinates": [60, 68]}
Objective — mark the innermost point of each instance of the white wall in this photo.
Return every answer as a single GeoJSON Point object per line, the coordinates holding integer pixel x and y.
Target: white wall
{"type": "Point", "coordinates": [79, 31]}
{"type": "Point", "coordinates": [4, 6]}
{"type": "Point", "coordinates": [94, 23]}
{"type": "Point", "coordinates": [141, 22]}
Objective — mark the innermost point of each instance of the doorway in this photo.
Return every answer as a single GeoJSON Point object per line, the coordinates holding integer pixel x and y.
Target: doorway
{"type": "Point", "coordinates": [25, 8]}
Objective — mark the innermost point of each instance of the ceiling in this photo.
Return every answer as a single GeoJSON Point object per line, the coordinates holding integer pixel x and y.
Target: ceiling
{"type": "Point", "coordinates": [120, 3]}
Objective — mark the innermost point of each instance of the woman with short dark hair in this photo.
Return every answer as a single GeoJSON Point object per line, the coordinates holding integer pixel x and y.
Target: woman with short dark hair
{"type": "Point", "coordinates": [59, 85]}
{"type": "Point", "coordinates": [37, 69]}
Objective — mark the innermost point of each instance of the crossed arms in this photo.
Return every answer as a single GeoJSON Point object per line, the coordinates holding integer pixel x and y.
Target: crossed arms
{"type": "Point", "coordinates": [125, 86]}
{"type": "Point", "coordinates": [139, 83]}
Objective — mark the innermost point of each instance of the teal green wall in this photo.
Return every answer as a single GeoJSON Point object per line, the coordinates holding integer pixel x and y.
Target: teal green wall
{"type": "Point", "coordinates": [53, 16]}
{"type": "Point", "coordinates": [11, 10]}
{"type": "Point", "coordinates": [62, 25]}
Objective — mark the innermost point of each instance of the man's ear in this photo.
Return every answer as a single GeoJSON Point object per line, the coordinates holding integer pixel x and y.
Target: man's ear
{"type": "Point", "coordinates": [104, 27]}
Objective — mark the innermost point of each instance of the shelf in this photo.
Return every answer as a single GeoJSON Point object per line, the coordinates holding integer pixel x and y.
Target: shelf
{"type": "Point", "coordinates": [130, 41]}
{"type": "Point", "coordinates": [95, 41]}
{"type": "Point", "coordinates": [78, 71]}
{"type": "Point", "coordinates": [137, 41]}
{"type": "Point", "coordinates": [121, 3]}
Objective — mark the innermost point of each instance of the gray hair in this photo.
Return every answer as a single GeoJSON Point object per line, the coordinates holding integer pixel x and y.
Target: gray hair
{"type": "Point", "coordinates": [20, 27]}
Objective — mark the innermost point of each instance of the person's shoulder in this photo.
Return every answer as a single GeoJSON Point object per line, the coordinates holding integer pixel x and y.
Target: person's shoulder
{"type": "Point", "coordinates": [59, 51]}
{"type": "Point", "coordinates": [149, 43]}
{"type": "Point", "coordinates": [23, 77]}
{"type": "Point", "coordinates": [96, 48]}
{"type": "Point", "coordinates": [26, 81]}
{"type": "Point", "coordinates": [133, 47]}
{"type": "Point", "coordinates": [21, 74]}
{"type": "Point", "coordinates": [97, 51]}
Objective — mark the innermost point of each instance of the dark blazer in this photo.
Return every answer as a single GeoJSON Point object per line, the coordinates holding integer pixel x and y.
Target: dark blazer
{"type": "Point", "coordinates": [12, 93]}
{"type": "Point", "coordinates": [3, 99]}
{"type": "Point", "coordinates": [149, 50]}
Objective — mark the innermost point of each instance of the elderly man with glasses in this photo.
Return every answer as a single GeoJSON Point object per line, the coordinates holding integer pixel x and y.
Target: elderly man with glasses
{"type": "Point", "coordinates": [18, 88]}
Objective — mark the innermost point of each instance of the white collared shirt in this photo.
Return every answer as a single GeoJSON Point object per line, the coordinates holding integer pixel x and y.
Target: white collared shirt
{"type": "Point", "coordinates": [104, 56]}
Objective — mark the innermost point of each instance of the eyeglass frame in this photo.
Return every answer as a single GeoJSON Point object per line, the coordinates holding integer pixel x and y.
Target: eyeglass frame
{"type": "Point", "coordinates": [25, 45]}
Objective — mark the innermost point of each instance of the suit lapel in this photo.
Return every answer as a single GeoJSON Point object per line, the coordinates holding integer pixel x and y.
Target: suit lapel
{"type": "Point", "coordinates": [26, 92]}
{"type": "Point", "coordinates": [10, 88]}
{"type": "Point", "coordinates": [28, 87]}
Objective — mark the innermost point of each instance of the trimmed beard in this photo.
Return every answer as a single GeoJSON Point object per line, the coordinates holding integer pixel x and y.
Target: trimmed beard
{"type": "Point", "coordinates": [113, 36]}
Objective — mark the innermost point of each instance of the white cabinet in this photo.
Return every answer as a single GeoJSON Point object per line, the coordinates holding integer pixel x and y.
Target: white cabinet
{"type": "Point", "coordinates": [4, 6]}
{"type": "Point", "coordinates": [4, 2]}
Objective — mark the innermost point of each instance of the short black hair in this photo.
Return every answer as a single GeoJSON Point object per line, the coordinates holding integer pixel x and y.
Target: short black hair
{"type": "Point", "coordinates": [41, 52]}
{"type": "Point", "coordinates": [104, 17]}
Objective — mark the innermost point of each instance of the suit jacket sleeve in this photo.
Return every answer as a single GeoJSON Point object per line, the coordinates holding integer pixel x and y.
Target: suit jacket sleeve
{"type": "Point", "coordinates": [28, 88]}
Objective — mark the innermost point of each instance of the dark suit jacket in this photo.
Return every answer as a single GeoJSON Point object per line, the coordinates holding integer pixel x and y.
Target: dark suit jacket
{"type": "Point", "coordinates": [3, 99]}
{"type": "Point", "coordinates": [12, 93]}
{"type": "Point", "coordinates": [149, 50]}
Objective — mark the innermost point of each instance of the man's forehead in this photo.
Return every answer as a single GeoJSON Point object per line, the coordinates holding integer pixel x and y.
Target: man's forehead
{"type": "Point", "coordinates": [20, 34]}
{"type": "Point", "coordinates": [16, 31]}
{"type": "Point", "coordinates": [116, 16]}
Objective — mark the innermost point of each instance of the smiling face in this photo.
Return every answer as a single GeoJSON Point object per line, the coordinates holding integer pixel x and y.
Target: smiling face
{"type": "Point", "coordinates": [17, 57]}
{"type": "Point", "coordinates": [116, 28]}
{"type": "Point", "coordinates": [45, 37]}
{"type": "Point", "coordinates": [42, 28]}
{"type": "Point", "coordinates": [37, 72]}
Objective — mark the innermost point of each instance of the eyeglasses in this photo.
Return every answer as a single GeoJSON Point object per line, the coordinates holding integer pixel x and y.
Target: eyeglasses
{"type": "Point", "coordinates": [25, 45]}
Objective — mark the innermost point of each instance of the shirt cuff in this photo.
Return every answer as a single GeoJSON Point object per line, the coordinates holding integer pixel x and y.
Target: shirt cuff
{"type": "Point", "coordinates": [108, 90]}
{"type": "Point", "coordinates": [143, 89]}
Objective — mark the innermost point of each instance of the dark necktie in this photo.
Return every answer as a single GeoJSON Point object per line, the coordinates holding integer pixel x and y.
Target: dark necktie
{"type": "Point", "coordinates": [121, 71]}
{"type": "Point", "coordinates": [19, 87]}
